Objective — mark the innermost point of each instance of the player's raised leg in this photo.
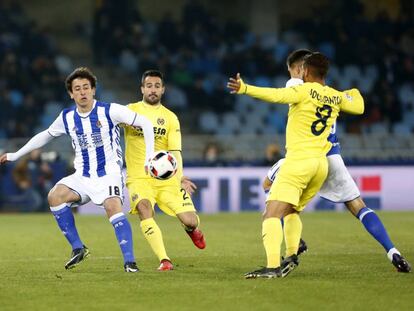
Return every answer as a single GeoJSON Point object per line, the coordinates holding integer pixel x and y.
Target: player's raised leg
{"type": "Point", "coordinates": [153, 234]}
{"type": "Point", "coordinates": [191, 222]}
{"type": "Point", "coordinates": [123, 232]}
{"type": "Point", "coordinates": [375, 227]}
{"type": "Point", "coordinates": [59, 199]}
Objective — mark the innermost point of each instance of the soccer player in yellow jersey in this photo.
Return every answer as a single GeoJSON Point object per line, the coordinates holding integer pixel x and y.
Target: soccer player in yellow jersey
{"type": "Point", "coordinates": [313, 109]}
{"type": "Point", "coordinates": [173, 195]}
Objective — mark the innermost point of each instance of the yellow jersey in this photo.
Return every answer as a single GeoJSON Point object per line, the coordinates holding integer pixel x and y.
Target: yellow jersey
{"type": "Point", "coordinates": [167, 136]}
{"type": "Point", "coordinates": [313, 109]}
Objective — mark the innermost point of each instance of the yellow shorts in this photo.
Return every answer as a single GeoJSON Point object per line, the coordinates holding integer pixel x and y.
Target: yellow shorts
{"type": "Point", "coordinates": [298, 181]}
{"type": "Point", "coordinates": [168, 195]}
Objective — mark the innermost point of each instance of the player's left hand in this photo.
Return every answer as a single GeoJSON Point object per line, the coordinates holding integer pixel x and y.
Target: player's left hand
{"type": "Point", "coordinates": [188, 185]}
{"type": "Point", "coordinates": [3, 158]}
{"type": "Point", "coordinates": [236, 85]}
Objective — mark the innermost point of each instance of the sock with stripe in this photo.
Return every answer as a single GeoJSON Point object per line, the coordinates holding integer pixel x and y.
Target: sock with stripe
{"type": "Point", "coordinates": [272, 235]}
{"type": "Point", "coordinates": [123, 234]}
{"type": "Point", "coordinates": [292, 230]}
{"type": "Point", "coordinates": [66, 222]}
{"type": "Point", "coordinates": [153, 235]}
{"type": "Point", "coordinates": [374, 226]}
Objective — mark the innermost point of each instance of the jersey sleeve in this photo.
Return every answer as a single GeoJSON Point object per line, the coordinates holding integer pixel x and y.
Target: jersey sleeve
{"type": "Point", "coordinates": [352, 102]}
{"type": "Point", "coordinates": [57, 128]}
{"type": "Point", "coordinates": [290, 95]}
{"type": "Point", "coordinates": [174, 135]}
{"type": "Point", "coordinates": [121, 114]}
{"type": "Point", "coordinates": [37, 141]}
{"type": "Point", "coordinates": [294, 82]}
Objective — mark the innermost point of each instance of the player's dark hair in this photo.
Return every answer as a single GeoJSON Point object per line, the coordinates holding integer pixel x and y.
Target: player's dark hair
{"type": "Point", "coordinates": [152, 73]}
{"type": "Point", "coordinates": [80, 73]}
{"type": "Point", "coordinates": [297, 56]}
{"type": "Point", "coordinates": [318, 64]}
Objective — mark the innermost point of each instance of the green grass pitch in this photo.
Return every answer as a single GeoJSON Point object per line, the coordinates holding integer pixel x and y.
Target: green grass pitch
{"type": "Point", "coordinates": [345, 269]}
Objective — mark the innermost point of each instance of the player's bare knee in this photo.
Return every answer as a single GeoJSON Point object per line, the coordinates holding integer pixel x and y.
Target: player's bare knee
{"type": "Point", "coordinates": [188, 219]}
{"type": "Point", "coordinates": [355, 205]}
{"type": "Point", "coordinates": [145, 209]}
{"type": "Point", "coordinates": [112, 206]}
{"type": "Point", "coordinates": [60, 194]}
{"type": "Point", "coordinates": [55, 197]}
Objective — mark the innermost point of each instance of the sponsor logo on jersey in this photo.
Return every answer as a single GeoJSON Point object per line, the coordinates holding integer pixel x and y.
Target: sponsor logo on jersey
{"type": "Point", "coordinates": [160, 131]}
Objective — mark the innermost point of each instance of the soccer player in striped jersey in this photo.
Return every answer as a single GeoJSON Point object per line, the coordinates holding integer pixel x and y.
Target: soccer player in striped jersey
{"type": "Point", "coordinates": [172, 195]}
{"type": "Point", "coordinates": [313, 108]}
{"type": "Point", "coordinates": [339, 187]}
{"type": "Point", "coordinates": [94, 129]}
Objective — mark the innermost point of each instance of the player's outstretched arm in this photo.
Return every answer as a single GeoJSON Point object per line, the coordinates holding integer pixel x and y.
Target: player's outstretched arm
{"type": "Point", "coordinates": [148, 130]}
{"type": "Point", "coordinates": [35, 142]}
{"type": "Point", "coordinates": [352, 102]}
{"type": "Point", "coordinates": [272, 95]}
{"type": "Point", "coordinates": [122, 114]}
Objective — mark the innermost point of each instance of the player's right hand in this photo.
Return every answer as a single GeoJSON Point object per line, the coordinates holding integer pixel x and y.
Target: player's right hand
{"type": "Point", "coordinates": [3, 158]}
{"type": "Point", "coordinates": [236, 85]}
{"type": "Point", "coordinates": [188, 185]}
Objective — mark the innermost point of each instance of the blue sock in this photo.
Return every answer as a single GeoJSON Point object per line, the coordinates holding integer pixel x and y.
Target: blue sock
{"type": "Point", "coordinates": [374, 226]}
{"type": "Point", "coordinates": [66, 222]}
{"type": "Point", "coordinates": [123, 233]}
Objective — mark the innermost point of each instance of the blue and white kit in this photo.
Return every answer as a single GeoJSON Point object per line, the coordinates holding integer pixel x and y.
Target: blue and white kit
{"type": "Point", "coordinates": [339, 186]}
{"type": "Point", "coordinates": [96, 141]}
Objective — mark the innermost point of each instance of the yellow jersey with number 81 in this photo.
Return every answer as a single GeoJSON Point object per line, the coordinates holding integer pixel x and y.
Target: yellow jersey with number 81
{"type": "Point", "coordinates": [313, 109]}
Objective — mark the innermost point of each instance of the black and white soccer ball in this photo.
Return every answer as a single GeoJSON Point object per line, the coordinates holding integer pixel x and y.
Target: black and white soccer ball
{"type": "Point", "coordinates": [162, 165]}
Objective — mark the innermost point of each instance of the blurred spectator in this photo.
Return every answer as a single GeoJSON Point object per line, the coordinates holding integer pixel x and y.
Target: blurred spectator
{"type": "Point", "coordinates": [211, 155]}
{"type": "Point", "coordinates": [272, 155]}
{"type": "Point", "coordinates": [28, 198]}
{"type": "Point", "coordinates": [200, 51]}
{"type": "Point", "coordinates": [29, 77]}
{"type": "Point", "coordinates": [33, 177]}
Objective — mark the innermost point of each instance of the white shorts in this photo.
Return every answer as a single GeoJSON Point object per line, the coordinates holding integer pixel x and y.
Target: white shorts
{"type": "Point", "coordinates": [338, 187]}
{"type": "Point", "coordinates": [95, 189]}
{"type": "Point", "coordinates": [272, 173]}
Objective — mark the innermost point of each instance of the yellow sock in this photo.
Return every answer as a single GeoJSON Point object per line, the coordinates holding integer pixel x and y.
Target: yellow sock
{"type": "Point", "coordinates": [153, 235]}
{"type": "Point", "coordinates": [272, 235]}
{"type": "Point", "coordinates": [293, 230]}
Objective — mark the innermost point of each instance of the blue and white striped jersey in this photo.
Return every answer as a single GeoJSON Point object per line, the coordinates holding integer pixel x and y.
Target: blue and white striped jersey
{"type": "Point", "coordinates": [95, 137]}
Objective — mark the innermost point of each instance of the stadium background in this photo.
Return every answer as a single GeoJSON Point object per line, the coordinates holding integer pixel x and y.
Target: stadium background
{"type": "Point", "coordinates": [229, 142]}
{"type": "Point", "coordinates": [198, 45]}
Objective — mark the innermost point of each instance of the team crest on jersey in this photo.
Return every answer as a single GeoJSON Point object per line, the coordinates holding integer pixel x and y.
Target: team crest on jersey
{"type": "Point", "coordinates": [160, 121]}
{"type": "Point", "coordinates": [98, 124]}
{"type": "Point", "coordinates": [134, 197]}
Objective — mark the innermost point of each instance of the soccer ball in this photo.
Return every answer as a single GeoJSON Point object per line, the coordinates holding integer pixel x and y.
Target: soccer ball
{"type": "Point", "coordinates": [162, 165]}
